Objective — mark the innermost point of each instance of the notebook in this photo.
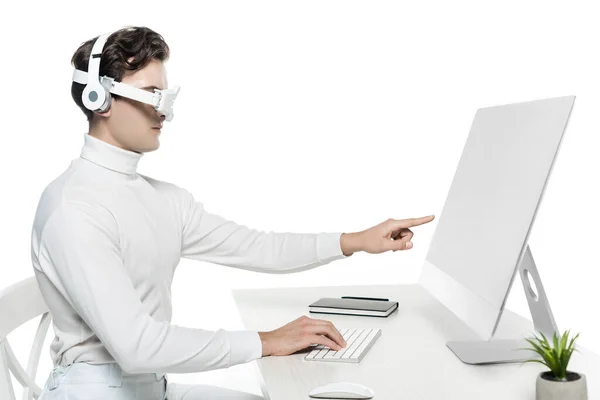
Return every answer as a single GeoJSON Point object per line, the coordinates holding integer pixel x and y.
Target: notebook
{"type": "Point", "coordinates": [353, 306]}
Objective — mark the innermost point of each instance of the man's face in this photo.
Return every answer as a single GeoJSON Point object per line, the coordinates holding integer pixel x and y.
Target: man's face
{"type": "Point", "coordinates": [131, 123]}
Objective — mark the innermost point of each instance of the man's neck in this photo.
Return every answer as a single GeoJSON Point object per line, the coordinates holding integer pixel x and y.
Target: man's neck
{"type": "Point", "coordinates": [100, 132]}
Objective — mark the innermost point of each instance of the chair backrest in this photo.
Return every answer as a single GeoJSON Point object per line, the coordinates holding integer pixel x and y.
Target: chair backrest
{"type": "Point", "coordinates": [21, 303]}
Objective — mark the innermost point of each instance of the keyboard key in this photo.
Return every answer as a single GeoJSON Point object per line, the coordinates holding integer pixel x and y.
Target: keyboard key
{"type": "Point", "coordinates": [366, 343]}
{"type": "Point", "coordinates": [359, 341]}
{"type": "Point", "coordinates": [356, 343]}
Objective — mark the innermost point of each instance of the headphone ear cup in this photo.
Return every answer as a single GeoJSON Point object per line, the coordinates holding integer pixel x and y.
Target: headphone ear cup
{"type": "Point", "coordinates": [107, 101]}
{"type": "Point", "coordinates": [94, 97]}
{"type": "Point", "coordinates": [97, 99]}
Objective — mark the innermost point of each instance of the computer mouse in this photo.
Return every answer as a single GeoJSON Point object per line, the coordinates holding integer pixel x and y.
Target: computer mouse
{"type": "Point", "coordinates": [342, 390]}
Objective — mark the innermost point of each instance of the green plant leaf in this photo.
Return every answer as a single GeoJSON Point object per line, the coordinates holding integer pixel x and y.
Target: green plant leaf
{"type": "Point", "coordinates": [544, 352]}
{"type": "Point", "coordinates": [573, 340]}
{"type": "Point", "coordinates": [537, 342]}
{"type": "Point", "coordinates": [556, 354]}
{"type": "Point", "coordinates": [563, 342]}
{"type": "Point", "coordinates": [566, 355]}
{"type": "Point", "coordinates": [528, 349]}
{"type": "Point", "coordinates": [562, 346]}
{"type": "Point", "coordinates": [565, 362]}
{"type": "Point", "coordinates": [556, 348]}
{"type": "Point", "coordinates": [536, 361]}
{"type": "Point", "coordinates": [536, 347]}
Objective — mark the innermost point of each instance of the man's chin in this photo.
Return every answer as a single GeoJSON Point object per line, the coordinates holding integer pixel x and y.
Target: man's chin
{"type": "Point", "coordinates": [150, 147]}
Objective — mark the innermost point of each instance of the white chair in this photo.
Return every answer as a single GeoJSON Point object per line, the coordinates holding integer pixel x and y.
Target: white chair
{"type": "Point", "coordinates": [21, 303]}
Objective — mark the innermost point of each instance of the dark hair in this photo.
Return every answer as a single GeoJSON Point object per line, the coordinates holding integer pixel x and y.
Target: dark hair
{"type": "Point", "coordinates": [140, 42]}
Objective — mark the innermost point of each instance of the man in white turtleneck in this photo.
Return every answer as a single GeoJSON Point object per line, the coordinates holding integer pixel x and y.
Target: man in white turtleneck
{"type": "Point", "coordinates": [106, 241]}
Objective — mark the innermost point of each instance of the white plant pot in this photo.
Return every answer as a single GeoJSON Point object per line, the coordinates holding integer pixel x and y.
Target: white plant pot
{"type": "Point", "coordinates": [575, 388]}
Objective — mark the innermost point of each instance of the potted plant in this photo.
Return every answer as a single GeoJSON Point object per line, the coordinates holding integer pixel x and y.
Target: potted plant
{"type": "Point", "coordinates": [558, 382]}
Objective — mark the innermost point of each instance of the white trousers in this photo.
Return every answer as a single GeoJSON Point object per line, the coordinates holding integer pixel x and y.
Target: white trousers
{"type": "Point", "coordinates": [83, 381]}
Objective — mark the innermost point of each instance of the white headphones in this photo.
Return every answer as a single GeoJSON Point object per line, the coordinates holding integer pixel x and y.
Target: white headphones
{"type": "Point", "coordinates": [96, 94]}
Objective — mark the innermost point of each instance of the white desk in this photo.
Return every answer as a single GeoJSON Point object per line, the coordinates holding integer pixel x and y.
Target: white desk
{"type": "Point", "coordinates": [410, 359]}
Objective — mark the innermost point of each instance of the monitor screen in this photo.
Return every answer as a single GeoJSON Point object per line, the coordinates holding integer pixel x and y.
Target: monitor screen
{"type": "Point", "coordinates": [483, 228]}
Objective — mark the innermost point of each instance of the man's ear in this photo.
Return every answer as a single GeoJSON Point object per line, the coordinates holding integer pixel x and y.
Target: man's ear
{"type": "Point", "coordinates": [105, 114]}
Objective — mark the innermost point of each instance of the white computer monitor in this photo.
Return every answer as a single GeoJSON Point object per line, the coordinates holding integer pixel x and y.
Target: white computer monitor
{"type": "Point", "coordinates": [482, 232]}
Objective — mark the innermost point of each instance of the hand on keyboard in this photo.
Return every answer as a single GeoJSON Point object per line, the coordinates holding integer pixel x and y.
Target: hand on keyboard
{"type": "Point", "coordinates": [359, 343]}
{"type": "Point", "coordinates": [300, 334]}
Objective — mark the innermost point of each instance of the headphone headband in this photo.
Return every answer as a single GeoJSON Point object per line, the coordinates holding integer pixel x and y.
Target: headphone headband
{"type": "Point", "coordinates": [95, 96]}
{"type": "Point", "coordinates": [95, 56]}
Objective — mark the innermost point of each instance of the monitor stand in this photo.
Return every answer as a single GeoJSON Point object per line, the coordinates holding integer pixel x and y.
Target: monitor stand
{"type": "Point", "coordinates": [507, 351]}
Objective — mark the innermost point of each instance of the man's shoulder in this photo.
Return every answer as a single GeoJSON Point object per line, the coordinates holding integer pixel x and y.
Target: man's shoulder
{"type": "Point", "coordinates": [53, 194]}
{"type": "Point", "coordinates": [63, 195]}
{"type": "Point", "coordinates": [59, 192]}
{"type": "Point", "coordinates": [165, 186]}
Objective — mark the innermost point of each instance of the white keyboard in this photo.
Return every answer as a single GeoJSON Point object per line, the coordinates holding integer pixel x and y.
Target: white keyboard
{"type": "Point", "coordinates": [359, 341]}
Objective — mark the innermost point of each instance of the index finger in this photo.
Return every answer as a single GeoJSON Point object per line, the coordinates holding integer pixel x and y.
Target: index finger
{"type": "Point", "coordinates": [323, 327]}
{"type": "Point", "coordinates": [420, 221]}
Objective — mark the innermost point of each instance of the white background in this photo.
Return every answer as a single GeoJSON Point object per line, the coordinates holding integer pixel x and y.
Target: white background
{"type": "Point", "coordinates": [312, 116]}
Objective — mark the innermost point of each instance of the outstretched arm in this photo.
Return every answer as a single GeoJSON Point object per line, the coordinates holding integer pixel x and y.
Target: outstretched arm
{"type": "Point", "coordinates": [212, 238]}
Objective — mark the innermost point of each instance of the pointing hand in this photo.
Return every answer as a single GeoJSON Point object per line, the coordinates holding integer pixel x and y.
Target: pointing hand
{"type": "Point", "coordinates": [392, 234]}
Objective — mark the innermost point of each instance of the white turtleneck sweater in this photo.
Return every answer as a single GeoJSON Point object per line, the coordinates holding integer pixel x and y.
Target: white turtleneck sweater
{"type": "Point", "coordinates": [105, 243]}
